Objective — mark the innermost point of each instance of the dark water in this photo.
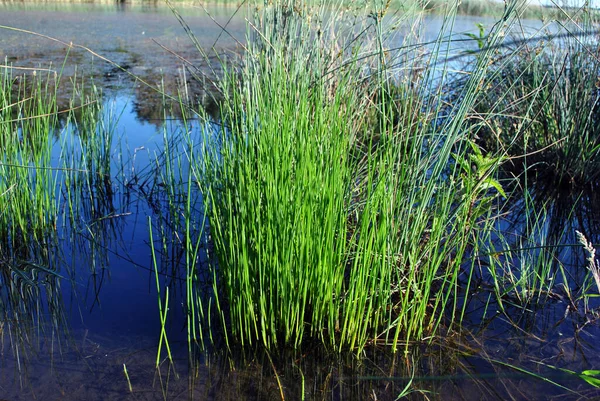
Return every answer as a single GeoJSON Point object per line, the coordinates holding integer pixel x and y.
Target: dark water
{"type": "Point", "coordinates": [106, 314]}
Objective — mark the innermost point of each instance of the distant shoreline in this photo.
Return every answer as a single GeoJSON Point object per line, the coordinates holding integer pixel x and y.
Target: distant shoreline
{"type": "Point", "coordinates": [483, 8]}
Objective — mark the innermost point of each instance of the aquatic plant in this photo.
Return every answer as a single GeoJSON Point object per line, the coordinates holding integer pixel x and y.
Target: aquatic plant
{"type": "Point", "coordinates": [27, 122]}
{"type": "Point", "coordinates": [540, 112]}
{"type": "Point", "coordinates": [328, 226]}
{"type": "Point", "coordinates": [521, 263]}
{"type": "Point", "coordinates": [46, 182]}
{"type": "Point", "coordinates": [593, 264]}
{"type": "Point", "coordinates": [543, 108]}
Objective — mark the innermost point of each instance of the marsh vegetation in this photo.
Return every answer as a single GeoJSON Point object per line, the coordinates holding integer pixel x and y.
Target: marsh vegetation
{"type": "Point", "coordinates": [359, 211]}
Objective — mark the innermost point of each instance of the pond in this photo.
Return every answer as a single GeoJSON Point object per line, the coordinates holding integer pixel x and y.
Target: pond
{"type": "Point", "coordinates": [82, 320]}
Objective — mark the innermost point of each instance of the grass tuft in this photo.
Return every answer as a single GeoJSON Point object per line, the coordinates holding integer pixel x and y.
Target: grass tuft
{"type": "Point", "coordinates": [340, 196]}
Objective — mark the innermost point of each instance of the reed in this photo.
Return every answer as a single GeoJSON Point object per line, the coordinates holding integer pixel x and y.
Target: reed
{"type": "Point", "coordinates": [28, 115]}
{"type": "Point", "coordinates": [521, 257]}
{"type": "Point", "coordinates": [41, 176]}
{"type": "Point", "coordinates": [177, 224]}
{"type": "Point", "coordinates": [340, 197]}
{"type": "Point", "coordinates": [543, 107]}
{"type": "Point", "coordinates": [541, 112]}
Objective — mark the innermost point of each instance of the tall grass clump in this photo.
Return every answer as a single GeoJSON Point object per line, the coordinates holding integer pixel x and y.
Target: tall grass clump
{"type": "Point", "coordinates": [28, 120]}
{"type": "Point", "coordinates": [341, 192]}
{"type": "Point", "coordinates": [540, 111]}
{"type": "Point", "coordinates": [86, 154]}
{"type": "Point", "coordinates": [40, 166]}
{"type": "Point", "coordinates": [543, 108]}
{"type": "Point", "coordinates": [48, 149]}
{"type": "Point", "coordinates": [31, 297]}
{"type": "Point", "coordinates": [521, 257]}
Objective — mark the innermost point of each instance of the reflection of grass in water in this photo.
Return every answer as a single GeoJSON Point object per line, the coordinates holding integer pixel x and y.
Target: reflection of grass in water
{"type": "Point", "coordinates": [449, 368]}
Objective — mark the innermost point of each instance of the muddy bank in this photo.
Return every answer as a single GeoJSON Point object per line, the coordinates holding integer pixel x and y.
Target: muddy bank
{"type": "Point", "coordinates": [143, 53]}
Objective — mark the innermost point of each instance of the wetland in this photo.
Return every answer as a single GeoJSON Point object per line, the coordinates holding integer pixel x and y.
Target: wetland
{"type": "Point", "coordinates": [282, 201]}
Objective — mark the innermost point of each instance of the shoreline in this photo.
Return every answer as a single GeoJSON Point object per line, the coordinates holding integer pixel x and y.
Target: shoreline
{"type": "Point", "coordinates": [483, 8]}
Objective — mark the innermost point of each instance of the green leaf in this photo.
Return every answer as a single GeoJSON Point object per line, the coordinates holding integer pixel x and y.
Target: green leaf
{"type": "Point", "coordinates": [463, 163]}
{"type": "Point", "coordinates": [494, 183]}
{"type": "Point", "coordinates": [589, 378]}
{"type": "Point", "coordinates": [586, 375]}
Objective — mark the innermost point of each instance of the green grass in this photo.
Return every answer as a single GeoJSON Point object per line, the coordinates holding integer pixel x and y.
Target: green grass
{"type": "Point", "coordinates": [348, 203]}
{"type": "Point", "coordinates": [339, 195]}
{"type": "Point", "coordinates": [47, 150]}
{"type": "Point", "coordinates": [541, 112]}
{"type": "Point", "coordinates": [28, 115]}
{"type": "Point", "coordinates": [547, 119]}
{"type": "Point", "coordinates": [51, 160]}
